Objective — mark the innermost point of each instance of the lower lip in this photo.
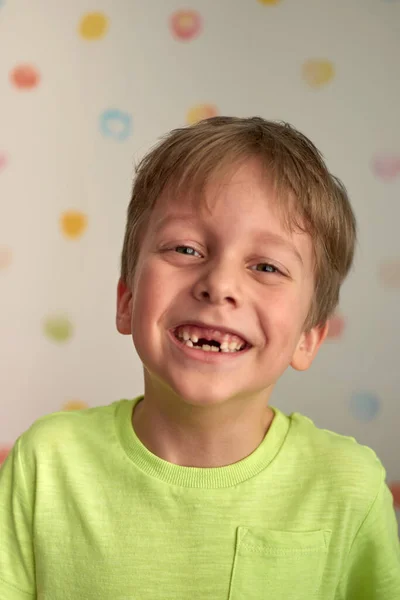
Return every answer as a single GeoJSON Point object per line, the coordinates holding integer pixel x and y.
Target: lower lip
{"type": "Point", "coordinates": [204, 356]}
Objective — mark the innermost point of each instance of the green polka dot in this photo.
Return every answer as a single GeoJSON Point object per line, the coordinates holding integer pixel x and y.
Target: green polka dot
{"type": "Point", "coordinates": [58, 329]}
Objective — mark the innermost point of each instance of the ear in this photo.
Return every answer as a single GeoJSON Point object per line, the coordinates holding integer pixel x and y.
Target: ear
{"type": "Point", "coordinates": [308, 347]}
{"type": "Point", "coordinates": [124, 308]}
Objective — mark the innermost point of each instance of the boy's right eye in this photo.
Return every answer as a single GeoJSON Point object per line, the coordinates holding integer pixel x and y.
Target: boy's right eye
{"type": "Point", "coordinates": [190, 250]}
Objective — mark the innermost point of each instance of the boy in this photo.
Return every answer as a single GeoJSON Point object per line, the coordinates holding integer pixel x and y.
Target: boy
{"type": "Point", "coordinates": [199, 489]}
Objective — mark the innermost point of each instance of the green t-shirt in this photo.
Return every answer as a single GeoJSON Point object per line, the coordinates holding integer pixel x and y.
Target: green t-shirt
{"type": "Point", "coordinates": [88, 513]}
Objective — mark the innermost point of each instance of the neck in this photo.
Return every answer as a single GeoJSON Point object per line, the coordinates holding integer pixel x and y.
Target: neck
{"type": "Point", "coordinates": [196, 437]}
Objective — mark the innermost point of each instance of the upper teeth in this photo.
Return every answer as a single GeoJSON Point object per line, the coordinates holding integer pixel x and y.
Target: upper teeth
{"type": "Point", "coordinates": [228, 342]}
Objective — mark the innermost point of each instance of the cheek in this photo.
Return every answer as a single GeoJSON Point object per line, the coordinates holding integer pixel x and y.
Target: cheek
{"type": "Point", "coordinates": [283, 318]}
{"type": "Point", "coordinates": [151, 283]}
{"type": "Point", "coordinates": [151, 296]}
{"type": "Point", "coordinates": [285, 305]}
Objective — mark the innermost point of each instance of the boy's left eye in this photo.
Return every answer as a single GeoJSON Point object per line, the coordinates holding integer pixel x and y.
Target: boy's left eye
{"type": "Point", "coordinates": [190, 251]}
{"type": "Point", "coordinates": [269, 268]}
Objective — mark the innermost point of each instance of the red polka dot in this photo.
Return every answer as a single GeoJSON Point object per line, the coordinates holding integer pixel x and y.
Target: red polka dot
{"type": "Point", "coordinates": [395, 489]}
{"type": "Point", "coordinates": [25, 77]}
{"type": "Point", "coordinates": [4, 451]}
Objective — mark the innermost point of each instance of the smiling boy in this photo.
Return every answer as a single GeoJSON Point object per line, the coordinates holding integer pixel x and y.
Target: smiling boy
{"type": "Point", "coordinates": [237, 242]}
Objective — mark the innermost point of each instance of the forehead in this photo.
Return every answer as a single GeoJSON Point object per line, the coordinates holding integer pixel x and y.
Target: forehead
{"type": "Point", "coordinates": [243, 183]}
{"type": "Point", "coordinates": [243, 188]}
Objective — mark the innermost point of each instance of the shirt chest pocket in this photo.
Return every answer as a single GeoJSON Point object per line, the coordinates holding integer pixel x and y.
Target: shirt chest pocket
{"type": "Point", "coordinates": [278, 565]}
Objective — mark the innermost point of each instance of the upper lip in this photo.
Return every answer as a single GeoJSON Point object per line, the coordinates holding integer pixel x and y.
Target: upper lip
{"type": "Point", "coordinates": [211, 326]}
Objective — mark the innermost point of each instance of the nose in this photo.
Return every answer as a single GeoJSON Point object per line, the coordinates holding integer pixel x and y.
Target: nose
{"type": "Point", "coordinates": [219, 284]}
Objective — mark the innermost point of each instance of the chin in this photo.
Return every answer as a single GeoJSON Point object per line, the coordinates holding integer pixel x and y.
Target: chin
{"type": "Point", "coordinates": [216, 391]}
{"type": "Point", "coordinates": [204, 396]}
{"type": "Point", "coordinates": [196, 394]}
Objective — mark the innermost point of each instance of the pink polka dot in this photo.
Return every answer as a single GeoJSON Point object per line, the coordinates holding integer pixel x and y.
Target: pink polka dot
{"type": "Point", "coordinates": [386, 166]}
{"type": "Point", "coordinates": [389, 274]}
{"type": "Point", "coordinates": [3, 160]}
{"type": "Point", "coordinates": [336, 327]}
{"type": "Point", "coordinates": [185, 24]}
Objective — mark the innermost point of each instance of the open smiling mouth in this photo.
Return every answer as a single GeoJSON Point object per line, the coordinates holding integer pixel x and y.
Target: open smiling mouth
{"type": "Point", "coordinates": [226, 344]}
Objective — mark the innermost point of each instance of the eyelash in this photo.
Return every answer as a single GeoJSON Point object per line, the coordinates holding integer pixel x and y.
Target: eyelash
{"type": "Point", "coordinates": [276, 271]}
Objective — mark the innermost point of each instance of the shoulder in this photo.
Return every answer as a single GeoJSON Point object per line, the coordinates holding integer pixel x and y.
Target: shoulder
{"type": "Point", "coordinates": [333, 448]}
{"type": "Point", "coordinates": [64, 431]}
{"type": "Point", "coordinates": [341, 465]}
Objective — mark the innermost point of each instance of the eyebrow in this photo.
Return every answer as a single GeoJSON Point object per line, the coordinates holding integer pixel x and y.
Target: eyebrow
{"type": "Point", "coordinates": [258, 235]}
{"type": "Point", "coordinates": [173, 218]}
{"type": "Point", "coordinates": [278, 240]}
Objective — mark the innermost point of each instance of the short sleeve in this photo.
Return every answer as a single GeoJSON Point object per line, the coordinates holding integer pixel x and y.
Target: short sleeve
{"type": "Point", "coordinates": [17, 572]}
{"type": "Point", "coordinates": [373, 564]}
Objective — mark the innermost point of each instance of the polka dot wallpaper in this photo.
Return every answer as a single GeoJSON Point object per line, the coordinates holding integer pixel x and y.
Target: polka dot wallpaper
{"type": "Point", "coordinates": [86, 89]}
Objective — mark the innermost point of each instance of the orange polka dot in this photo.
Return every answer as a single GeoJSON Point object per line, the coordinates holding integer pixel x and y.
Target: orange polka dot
{"type": "Point", "coordinates": [25, 77]}
{"type": "Point", "coordinates": [200, 112]}
{"type": "Point", "coordinates": [5, 257]}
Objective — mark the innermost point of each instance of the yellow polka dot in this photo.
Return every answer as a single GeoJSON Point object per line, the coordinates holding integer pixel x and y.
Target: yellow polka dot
{"type": "Point", "coordinates": [318, 72]}
{"type": "Point", "coordinates": [75, 405]}
{"type": "Point", "coordinates": [73, 223]}
{"type": "Point", "coordinates": [269, 2]}
{"type": "Point", "coordinates": [200, 112]}
{"type": "Point", "coordinates": [93, 26]}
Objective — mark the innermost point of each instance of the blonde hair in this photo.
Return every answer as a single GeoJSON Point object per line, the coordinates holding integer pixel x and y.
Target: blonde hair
{"type": "Point", "coordinates": [186, 159]}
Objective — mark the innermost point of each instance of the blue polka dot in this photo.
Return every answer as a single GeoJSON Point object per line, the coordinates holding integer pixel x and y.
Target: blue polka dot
{"type": "Point", "coordinates": [116, 124]}
{"type": "Point", "coordinates": [364, 406]}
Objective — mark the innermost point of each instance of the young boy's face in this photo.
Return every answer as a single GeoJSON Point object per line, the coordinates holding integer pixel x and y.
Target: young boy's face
{"type": "Point", "coordinates": [236, 268]}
